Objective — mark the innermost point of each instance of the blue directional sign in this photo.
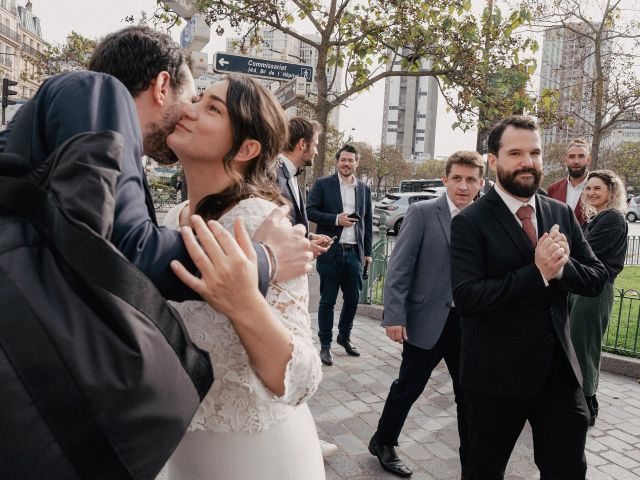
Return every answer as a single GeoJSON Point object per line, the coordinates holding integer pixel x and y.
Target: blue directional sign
{"type": "Point", "coordinates": [261, 67]}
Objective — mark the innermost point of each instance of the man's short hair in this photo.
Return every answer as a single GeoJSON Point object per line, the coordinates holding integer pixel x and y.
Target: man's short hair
{"type": "Point", "coordinates": [136, 55]}
{"type": "Point", "coordinates": [301, 128]}
{"type": "Point", "coordinates": [579, 142]}
{"type": "Point", "coordinates": [347, 147]}
{"type": "Point", "coordinates": [516, 121]}
{"type": "Point", "coordinates": [466, 158]}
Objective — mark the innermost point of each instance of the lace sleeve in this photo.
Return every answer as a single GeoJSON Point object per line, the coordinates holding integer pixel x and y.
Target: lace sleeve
{"type": "Point", "coordinates": [289, 301]}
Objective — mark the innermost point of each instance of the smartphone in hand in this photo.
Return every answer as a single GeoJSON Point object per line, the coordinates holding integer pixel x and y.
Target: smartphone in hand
{"type": "Point", "coordinates": [354, 215]}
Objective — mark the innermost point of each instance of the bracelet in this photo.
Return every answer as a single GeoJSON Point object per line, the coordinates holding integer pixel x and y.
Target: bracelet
{"type": "Point", "coordinates": [273, 262]}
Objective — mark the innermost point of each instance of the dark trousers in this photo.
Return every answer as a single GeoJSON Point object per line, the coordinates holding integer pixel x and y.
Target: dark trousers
{"type": "Point", "coordinates": [342, 271]}
{"type": "Point", "coordinates": [415, 370]}
{"type": "Point", "coordinates": [559, 421]}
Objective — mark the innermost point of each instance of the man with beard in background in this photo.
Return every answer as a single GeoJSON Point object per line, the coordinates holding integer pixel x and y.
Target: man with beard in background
{"type": "Point", "coordinates": [569, 190]}
{"type": "Point", "coordinates": [515, 255]}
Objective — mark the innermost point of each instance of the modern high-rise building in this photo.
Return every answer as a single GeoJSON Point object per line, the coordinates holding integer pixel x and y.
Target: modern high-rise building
{"type": "Point", "coordinates": [20, 41]}
{"type": "Point", "coordinates": [568, 65]}
{"type": "Point", "coordinates": [280, 46]}
{"type": "Point", "coordinates": [409, 117]}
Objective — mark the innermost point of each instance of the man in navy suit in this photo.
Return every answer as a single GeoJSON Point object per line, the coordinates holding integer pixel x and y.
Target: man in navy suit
{"type": "Point", "coordinates": [340, 205]}
{"type": "Point", "coordinates": [515, 256]}
{"type": "Point", "coordinates": [418, 306]}
{"type": "Point", "coordinates": [140, 87]}
{"type": "Point", "coordinates": [300, 151]}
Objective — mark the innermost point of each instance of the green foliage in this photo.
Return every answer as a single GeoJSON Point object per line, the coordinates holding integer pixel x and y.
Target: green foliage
{"type": "Point", "coordinates": [625, 161]}
{"type": "Point", "coordinates": [430, 169]}
{"type": "Point", "coordinates": [444, 38]}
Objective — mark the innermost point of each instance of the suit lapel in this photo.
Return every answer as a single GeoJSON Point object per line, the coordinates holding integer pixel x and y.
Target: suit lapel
{"type": "Point", "coordinates": [510, 224]}
{"type": "Point", "coordinates": [336, 182]}
{"type": "Point", "coordinates": [444, 215]}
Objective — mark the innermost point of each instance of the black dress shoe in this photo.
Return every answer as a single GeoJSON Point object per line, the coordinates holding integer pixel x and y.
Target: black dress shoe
{"type": "Point", "coordinates": [348, 346]}
{"type": "Point", "coordinates": [388, 458]}
{"type": "Point", "coordinates": [325, 356]}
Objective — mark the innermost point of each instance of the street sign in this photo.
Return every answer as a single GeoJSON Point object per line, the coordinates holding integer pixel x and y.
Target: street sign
{"type": "Point", "coordinates": [195, 34]}
{"type": "Point", "coordinates": [291, 92]}
{"type": "Point", "coordinates": [261, 67]}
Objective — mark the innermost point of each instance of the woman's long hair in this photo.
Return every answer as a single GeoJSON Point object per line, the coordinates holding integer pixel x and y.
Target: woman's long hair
{"type": "Point", "coordinates": [254, 113]}
{"type": "Point", "coordinates": [617, 196]}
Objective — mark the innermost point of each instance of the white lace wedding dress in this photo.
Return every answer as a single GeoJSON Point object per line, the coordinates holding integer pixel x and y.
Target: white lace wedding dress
{"type": "Point", "coordinates": [242, 431]}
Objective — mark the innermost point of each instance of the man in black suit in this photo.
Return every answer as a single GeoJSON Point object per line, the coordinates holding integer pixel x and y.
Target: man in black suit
{"type": "Point", "coordinates": [340, 205]}
{"type": "Point", "coordinates": [515, 256]}
{"type": "Point", "coordinates": [300, 151]}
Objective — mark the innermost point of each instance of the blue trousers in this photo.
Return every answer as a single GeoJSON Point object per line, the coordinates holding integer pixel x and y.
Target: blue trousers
{"type": "Point", "coordinates": [342, 271]}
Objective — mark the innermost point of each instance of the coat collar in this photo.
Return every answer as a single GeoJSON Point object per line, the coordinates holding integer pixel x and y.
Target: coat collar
{"type": "Point", "coordinates": [444, 215]}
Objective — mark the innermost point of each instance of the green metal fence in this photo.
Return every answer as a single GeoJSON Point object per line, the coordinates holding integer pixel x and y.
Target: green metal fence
{"type": "Point", "coordinates": [622, 335]}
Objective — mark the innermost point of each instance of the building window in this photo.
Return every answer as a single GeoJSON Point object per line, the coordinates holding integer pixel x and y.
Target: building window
{"type": "Point", "coordinates": [419, 139]}
{"type": "Point", "coordinates": [392, 122]}
{"type": "Point", "coordinates": [422, 115]}
{"type": "Point", "coordinates": [391, 130]}
{"type": "Point", "coordinates": [393, 107]}
{"type": "Point", "coordinates": [422, 94]}
{"type": "Point", "coordinates": [420, 130]}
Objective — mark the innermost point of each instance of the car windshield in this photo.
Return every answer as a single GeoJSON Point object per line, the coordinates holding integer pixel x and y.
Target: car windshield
{"type": "Point", "coordinates": [389, 199]}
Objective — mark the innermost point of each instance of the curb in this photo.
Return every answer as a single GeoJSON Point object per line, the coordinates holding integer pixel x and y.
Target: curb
{"type": "Point", "coordinates": [618, 364]}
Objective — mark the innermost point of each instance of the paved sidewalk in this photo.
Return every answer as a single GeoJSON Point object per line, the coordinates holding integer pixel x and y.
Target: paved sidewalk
{"type": "Point", "coordinates": [348, 403]}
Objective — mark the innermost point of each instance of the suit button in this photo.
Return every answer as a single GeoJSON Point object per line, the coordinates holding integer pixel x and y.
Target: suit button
{"type": "Point", "coordinates": [550, 337]}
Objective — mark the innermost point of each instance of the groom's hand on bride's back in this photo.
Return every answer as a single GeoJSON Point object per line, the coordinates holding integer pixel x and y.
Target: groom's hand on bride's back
{"type": "Point", "coordinates": [288, 243]}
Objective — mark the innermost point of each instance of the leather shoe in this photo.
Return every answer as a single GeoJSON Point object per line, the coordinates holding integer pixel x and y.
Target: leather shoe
{"type": "Point", "coordinates": [348, 346]}
{"type": "Point", "coordinates": [388, 458]}
{"type": "Point", "coordinates": [325, 356]}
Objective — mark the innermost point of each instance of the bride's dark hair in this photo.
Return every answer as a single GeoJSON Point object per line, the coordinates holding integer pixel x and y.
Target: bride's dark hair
{"type": "Point", "coordinates": [253, 113]}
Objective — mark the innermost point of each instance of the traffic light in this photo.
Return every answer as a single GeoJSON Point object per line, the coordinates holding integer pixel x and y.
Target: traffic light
{"type": "Point", "coordinates": [6, 93]}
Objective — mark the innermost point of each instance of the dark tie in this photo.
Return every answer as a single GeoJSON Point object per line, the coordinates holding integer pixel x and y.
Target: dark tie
{"type": "Point", "coordinates": [299, 171]}
{"type": "Point", "coordinates": [525, 214]}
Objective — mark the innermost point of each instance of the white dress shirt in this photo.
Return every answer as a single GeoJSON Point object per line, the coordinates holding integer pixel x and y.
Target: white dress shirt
{"type": "Point", "coordinates": [293, 180]}
{"type": "Point", "coordinates": [574, 193]}
{"type": "Point", "coordinates": [348, 194]}
{"type": "Point", "coordinates": [513, 204]}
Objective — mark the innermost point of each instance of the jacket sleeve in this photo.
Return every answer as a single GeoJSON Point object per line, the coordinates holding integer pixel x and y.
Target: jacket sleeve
{"type": "Point", "coordinates": [368, 225]}
{"type": "Point", "coordinates": [402, 266]}
{"type": "Point", "coordinates": [315, 206]}
{"type": "Point", "coordinates": [583, 274]}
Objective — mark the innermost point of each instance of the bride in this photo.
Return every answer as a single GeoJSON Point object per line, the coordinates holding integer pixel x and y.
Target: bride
{"type": "Point", "coordinates": [254, 423]}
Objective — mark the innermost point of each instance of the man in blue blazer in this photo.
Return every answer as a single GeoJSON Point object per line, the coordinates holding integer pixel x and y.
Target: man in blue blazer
{"type": "Point", "coordinates": [340, 205]}
{"type": "Point", "coordinates": [418, 306]}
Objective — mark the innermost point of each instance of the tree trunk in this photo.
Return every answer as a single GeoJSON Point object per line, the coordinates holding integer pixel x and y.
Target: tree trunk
{"type": "Point", "coordinates": [322, 117]}
{"type": "Point", "coordinates": [599, 100]}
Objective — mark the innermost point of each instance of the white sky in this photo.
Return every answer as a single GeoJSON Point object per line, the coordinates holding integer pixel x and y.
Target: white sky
{"type": "Point", "coordinates": [362, 116]}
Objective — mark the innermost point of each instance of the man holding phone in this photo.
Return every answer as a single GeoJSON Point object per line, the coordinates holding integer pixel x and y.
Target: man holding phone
{"type": "Point", "coordinates": [299, 153]}
{"type": "Point", "coordinates": [340, 205]}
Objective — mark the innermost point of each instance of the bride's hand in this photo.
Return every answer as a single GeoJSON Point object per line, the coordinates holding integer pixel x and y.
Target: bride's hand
{"type": "Point", "coordinates": [229, 270]}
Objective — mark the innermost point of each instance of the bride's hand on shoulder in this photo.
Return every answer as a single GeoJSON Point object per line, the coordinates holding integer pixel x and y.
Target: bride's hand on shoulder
{"type": "Point", "coordinates": [229, 270]}
{"type": "Point", "coordinates": [289, 244]}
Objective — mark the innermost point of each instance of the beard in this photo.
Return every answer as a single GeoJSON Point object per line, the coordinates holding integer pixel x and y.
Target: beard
{"type": "Point", "coordinates": [307, 157]}
{"type": "Point", "coordinates": [155, 141]}
{"type": "Point", "coordinates": [577, 173]}
{"type": "Point", "coordinates": [509, 181]}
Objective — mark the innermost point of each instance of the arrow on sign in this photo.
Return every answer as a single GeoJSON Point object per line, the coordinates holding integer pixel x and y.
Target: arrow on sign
{"type": "Point", "coordinates": [223, 62]}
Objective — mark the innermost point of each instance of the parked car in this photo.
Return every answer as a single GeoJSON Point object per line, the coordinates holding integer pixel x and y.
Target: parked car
{"type": "Point", "coordinates": [633, 209]}
{"type": "Point", "coordinates": [394, 207]}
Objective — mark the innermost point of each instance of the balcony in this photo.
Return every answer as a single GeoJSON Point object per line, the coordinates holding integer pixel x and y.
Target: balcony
{"type": "Point", "coordinates": [28, 50]}
{"type": "Point", "coordinates": [12, 35]}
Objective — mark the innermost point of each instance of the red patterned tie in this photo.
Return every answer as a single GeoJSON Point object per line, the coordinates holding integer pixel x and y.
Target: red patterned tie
{"type": "Point", "coordinates": [525, 214]}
